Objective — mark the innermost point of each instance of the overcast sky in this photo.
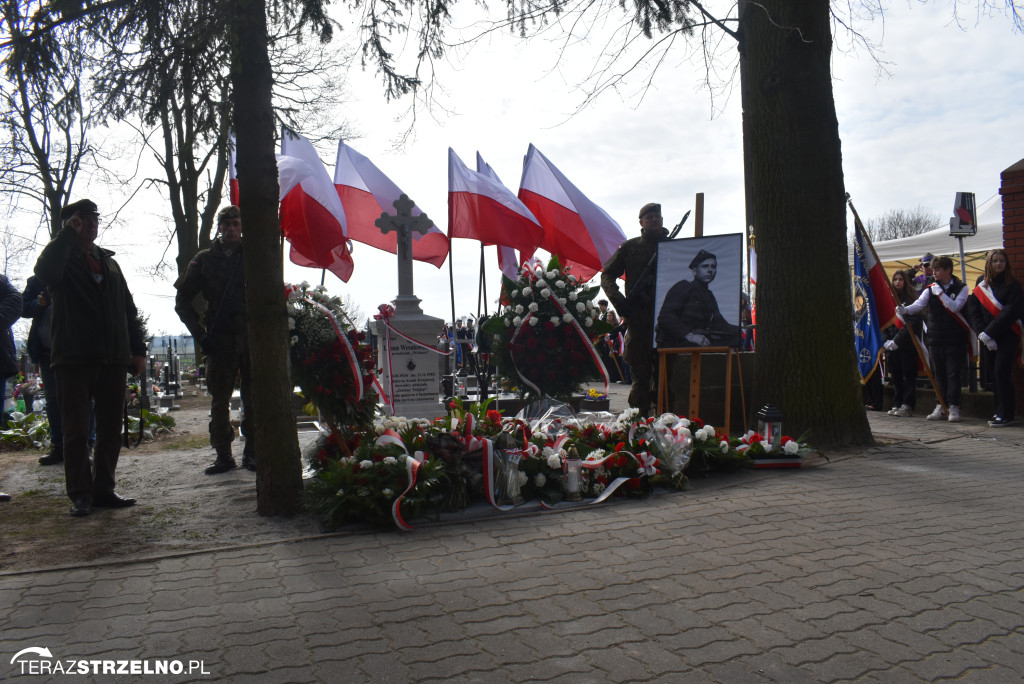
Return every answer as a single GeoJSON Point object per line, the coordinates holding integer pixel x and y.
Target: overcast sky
{"type": "Point", "coordinates": [948, 119]}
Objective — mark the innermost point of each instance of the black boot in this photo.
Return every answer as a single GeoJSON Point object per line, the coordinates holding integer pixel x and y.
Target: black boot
{"type": "Point", "coordinates": [55, 456]}
{"type": "Point", "coordinates": [224, 462]}
{"type": "Point", "coordinates": [249, 459]}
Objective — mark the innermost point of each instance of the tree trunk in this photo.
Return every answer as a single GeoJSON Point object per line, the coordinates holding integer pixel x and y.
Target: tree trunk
{"type": "Point", "coordinates": [279, 476]}
{"type": "Point", "coordinates": [806, 362]}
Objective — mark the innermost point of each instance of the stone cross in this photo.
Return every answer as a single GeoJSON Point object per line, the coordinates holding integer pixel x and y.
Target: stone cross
{"type": "Point", "coordinates": [404, 223]}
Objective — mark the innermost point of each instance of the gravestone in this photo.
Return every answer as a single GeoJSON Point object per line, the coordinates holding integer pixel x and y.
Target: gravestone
{"type": "Point", "coordinates": [412, 375]}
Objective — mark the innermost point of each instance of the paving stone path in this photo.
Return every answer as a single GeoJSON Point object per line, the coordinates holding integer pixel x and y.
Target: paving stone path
{"type": "Point", "coordinates": [900, 563]}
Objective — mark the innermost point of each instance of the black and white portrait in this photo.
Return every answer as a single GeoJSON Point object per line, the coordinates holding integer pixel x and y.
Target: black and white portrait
{"type": "Point", "coordinates": [697, 292]}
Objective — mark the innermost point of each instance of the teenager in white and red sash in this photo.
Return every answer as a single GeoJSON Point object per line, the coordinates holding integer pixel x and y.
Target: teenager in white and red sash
{"type": "Point", "coordinates": [947, 332]}
{"type": "Point", "coordinates": [995, 311]}
{"type": "Point", "coordinates": [901, 354]}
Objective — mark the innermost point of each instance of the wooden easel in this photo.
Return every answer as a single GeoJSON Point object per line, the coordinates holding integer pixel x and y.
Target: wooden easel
{"type": "Point", "coordinates": [695, 354]}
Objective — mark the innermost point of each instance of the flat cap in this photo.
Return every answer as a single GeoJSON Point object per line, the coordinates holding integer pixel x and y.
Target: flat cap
{"type": "Point", "coordinates": [649, 207]}
{"type": "Point", "coordinates": [83, 205]}
{"type": "Point", "coordinates": [228, 212]}
{"type": "Point", "coordinates": [702, 255]}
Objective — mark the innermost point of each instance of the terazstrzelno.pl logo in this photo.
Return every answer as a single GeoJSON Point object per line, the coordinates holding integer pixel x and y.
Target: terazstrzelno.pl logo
{"type": "Point", "coordinates": [40, 661]}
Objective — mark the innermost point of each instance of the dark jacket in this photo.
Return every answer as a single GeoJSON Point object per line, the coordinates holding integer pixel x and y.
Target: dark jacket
{"type": "Point", "coordinates": [220, 279]}
{"type": "Point", "coordinates": [93, 320]}
{"type": "Point", "coordinates": [10, 312]}
{"type": "Point", "coordinates": [39, 334]}
{"type": "Point", "coordinates": [943, 329]}
{"type": "Point", "coordinates": [631, 259]}
{"type": "Point", "coordinates": [997, 327]}
{"type": "Point", "coordinates": [691, 307]}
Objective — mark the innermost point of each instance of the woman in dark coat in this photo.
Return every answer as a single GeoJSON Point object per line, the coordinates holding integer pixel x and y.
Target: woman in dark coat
{"type": "Point", "coordinates": [901, 353]}
{"type": "Point", "coordinates": [996, 307]}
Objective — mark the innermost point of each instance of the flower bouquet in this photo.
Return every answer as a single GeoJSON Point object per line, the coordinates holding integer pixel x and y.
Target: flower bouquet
{"type": "Point", "coordinates": [763, 454]}
{"type": "Point", "coordinates": [543, 332]}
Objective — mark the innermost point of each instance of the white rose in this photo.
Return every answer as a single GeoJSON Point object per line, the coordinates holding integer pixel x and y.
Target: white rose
{"type": "Point", "coordinates": [390, 460]}
{"type": "Point", "coordinates": [562, 300]}
{"type": "Point", "coordinates": [768, 446]}
{"type": "Point", "coordinates": [595, 455]}
{"type": "Point", "coordinates": [573, 296]}
{"type": "Point", "coordinates": [709, 428]}
{"type": "Point", "coordinates": [533, 307]}
{"type": "Point", "coordinates": [517, 321]}
{"type": "Point", "coordinates": [540, 283]}
{"type": "Point", "coordinates": [554, 462]}
{"type": "Point", "coordinates": [587, 323]}
{"type": "Point", "coordinates": [527, 291]}
{"type": "Point", "coordinates": [519, 308]}
{"type": "Point", "coordinates": [555, 320]}
{"type": "Point", "coordinates": [724, 446]}
{"type": "Point", "coordinates": [291, 323]}
{"type": "Point", "coordinates": [388, 493]}
{"type": "Point", "coordinates": [791, 447]}
{"type": "Point", "coordinates": [572, 279]}
{"type": "Point", "coordinates": [366, 464]}
{"type": "Point", "coordinates": [540, 480]}
{"type": "Point", "coordinates": [552, 274]}
{"type": "Point", "coordinates": [567, 317]}
{"type": "Point", "coordinates": [513, 293]}
{"type": "Point", "coordinates": [545, 293]}
{"type": "Point", "coordinates": [560, 283]}
{"type": "Point", "coordinates": [523, 478]}
{"type": "Point", "coordinates": [304, 284]}
{"type": "Point", "coordinates": [581, 307]}
{"type": "Point", "coordinates": [533, 321]}
{"type": "Point", "coordinates": [508, 323]}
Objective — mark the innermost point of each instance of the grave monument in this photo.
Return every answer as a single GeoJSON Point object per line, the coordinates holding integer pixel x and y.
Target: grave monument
{"type": "Point", "coordinates": [411, 374]}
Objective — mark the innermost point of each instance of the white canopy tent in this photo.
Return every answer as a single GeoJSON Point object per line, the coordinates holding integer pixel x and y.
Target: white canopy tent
{"type": "Point", "coordinates": [905, 252]}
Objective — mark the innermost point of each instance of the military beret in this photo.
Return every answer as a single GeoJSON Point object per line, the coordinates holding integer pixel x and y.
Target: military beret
{"type": "Point", "coordinates": [702, 255]}
{"type": "Point", "coordinates": [649, 207]}
{"type": "Point", "coordinates": [228, 212]}
{"type": "Point", "coordinates": [85, 206]}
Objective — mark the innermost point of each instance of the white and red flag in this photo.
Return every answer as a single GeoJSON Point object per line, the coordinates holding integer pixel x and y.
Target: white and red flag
{"type": "Point", "coordinates": [232, 172]}
{"type": "Point", "coordinates": [366, 193]}
{"type": "Point", "coordinates": [578, 231]}
{"type": "Point", "coordinates": [507, 261]}
{"type": "Point", "coordinates": [481, 208]}
{"type": "Point", "coordinates": [312, 217]}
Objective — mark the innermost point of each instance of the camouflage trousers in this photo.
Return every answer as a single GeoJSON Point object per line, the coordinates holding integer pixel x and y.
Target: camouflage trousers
{"type": "Point", "coordinates": [221, 371]}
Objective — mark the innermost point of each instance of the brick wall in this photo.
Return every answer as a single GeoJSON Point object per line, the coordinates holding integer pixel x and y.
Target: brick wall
{"type": "Point", "coordinates": [1012, 191]}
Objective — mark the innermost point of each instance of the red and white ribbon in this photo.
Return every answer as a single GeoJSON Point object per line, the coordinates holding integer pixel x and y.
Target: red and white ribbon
{"type": "Point", "coordinates": [988, 299]}
{"type": "Point", "coordinates": [587, 344]}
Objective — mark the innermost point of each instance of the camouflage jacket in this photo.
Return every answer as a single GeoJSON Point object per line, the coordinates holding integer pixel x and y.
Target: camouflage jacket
{"type": "Point", "coordinates": [220, 278]}
{"type": "Point", "coordinates": [630, 259]}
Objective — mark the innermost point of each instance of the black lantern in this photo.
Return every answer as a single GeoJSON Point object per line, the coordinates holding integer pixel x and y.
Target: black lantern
{"type": "Point", "coordinates": [769, 425]}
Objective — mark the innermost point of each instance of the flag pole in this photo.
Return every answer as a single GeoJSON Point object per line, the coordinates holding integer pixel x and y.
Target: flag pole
{"type": "Point", "coordinates": [483, 283]}
{"type": "Point", "coordinates": [451, 278]}
{"type": "Point", "coordinates": [859, 227]}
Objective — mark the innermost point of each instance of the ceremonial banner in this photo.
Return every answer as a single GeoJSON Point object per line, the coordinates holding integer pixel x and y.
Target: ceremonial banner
{"type": "Point", "coordinates": [312, 218]}
{"type": "Point", "coordinates": [867, 329]}
{"type": "Point", "coordinates": [578, 231]}
{"type": "Point", "coordinates": [481, 208]}
{"type": "Point", "coordinates": [366, 193]}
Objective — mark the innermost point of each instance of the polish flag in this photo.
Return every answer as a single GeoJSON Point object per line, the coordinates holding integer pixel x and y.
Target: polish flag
{"type": "Point", "coordinates": [232, 173]}
{"type": "Point", "coordinates": [366, 193]}
{"type": "Point", "coordinates": [578, 231]}
{"type": "Point", "coordinates": [312, 217]}
{"type": "Point", "coordinates": [481, 208]}
{"type": "Point", "coordinates": [507, 262]}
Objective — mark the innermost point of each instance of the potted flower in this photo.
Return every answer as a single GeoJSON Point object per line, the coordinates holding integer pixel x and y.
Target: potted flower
{"type": "Point", "coordinates": [595, 401]}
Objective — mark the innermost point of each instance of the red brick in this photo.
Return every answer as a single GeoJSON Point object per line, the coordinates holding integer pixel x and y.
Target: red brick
{"type": "Point", "coordinates": [1009, 188]}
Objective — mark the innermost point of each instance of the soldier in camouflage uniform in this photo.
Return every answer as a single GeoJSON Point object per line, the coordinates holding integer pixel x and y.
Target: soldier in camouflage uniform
{"type": "Point", "coordinates": [637, 305]}
{"type": "Point", "coordinates": [218, 274]}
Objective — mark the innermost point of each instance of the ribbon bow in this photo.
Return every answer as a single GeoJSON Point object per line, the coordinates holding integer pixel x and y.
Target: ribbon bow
{"type": "Point", "coordinates": [647, 463]}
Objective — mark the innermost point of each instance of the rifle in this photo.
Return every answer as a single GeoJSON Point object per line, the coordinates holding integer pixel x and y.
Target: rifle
{"type": "Point", "coordinates": [642, 290]}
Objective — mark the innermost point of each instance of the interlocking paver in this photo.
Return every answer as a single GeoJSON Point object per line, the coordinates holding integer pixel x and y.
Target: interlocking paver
{"type": "Point", "coordinates": [903, 564]}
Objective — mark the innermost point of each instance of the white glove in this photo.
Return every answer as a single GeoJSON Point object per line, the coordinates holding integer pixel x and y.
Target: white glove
{"type": "Point", "coordinates": [890, 345]}
{"type": "Point", "coordinates": [936, 289]}
{"type": "Point", "coordinates": [988, 341]}
{"type": "Point", "coordinates": [901, 310]}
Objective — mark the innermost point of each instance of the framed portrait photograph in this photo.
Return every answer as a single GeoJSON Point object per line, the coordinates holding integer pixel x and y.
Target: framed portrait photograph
{"type": "Point", "coordinates": [697, 292]}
